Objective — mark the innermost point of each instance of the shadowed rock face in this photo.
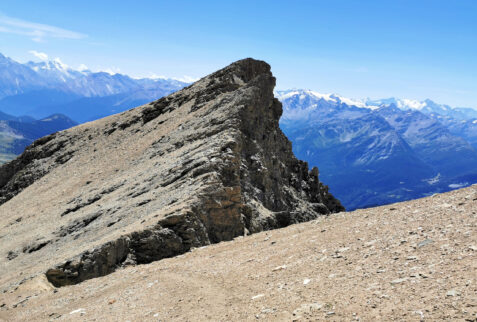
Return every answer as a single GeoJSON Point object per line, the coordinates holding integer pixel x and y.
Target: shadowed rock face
{"type": "Point", "coordinates": [200, 166]}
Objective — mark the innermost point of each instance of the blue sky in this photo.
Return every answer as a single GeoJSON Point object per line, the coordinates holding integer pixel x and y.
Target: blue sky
{"type": "Point", "coordinates": [409, 49]}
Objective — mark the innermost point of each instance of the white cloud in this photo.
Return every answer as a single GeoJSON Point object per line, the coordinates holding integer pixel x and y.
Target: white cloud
{"type": "Point", "coordinates": [39, 55]}
{"type": "Point", "coordinates": [36, 31]}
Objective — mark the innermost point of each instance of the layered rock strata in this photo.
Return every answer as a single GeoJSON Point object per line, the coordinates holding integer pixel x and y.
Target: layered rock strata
{"type": "Point", "coordinates": [203, 165]}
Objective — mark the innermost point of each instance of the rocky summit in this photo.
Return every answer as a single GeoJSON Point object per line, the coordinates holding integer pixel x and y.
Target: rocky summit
{"type": "Point", "coordinates": [203, 165]}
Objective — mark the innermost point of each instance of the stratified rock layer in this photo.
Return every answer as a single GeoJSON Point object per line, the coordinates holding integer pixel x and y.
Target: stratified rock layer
{"type": "Point", "coordinates": [203, 165]}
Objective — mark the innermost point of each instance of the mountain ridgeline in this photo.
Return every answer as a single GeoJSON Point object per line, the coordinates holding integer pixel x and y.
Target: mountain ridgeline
{"type": "Point", "coordinates": [16, 133]}
{"type": "Point", "coordinates": [372, 152]}
{"type": "Point", "coordinates": [56, 97]}
{"type": "Point", "coordinates": [40, 89]}
{"type": "Point", "coordinates": [375, 154]}
{"type": "Point", "coordinates": [206, 164]}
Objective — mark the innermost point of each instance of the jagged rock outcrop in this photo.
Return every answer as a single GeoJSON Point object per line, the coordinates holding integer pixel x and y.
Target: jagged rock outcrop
{"type": "Point", "coordinates": [203, 165]}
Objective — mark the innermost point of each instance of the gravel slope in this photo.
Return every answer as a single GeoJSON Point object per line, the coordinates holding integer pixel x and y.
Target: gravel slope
{"type": "Point", "coordinates": [410, 261]}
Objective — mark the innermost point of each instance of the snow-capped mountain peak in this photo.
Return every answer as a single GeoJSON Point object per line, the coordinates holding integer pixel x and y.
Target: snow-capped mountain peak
{"type": "Point", "coordinates": [349, 101]}
{"type": "Point", "coordinates": [55, 82]}
{"type": "Point", "coordinates": [332, 98]}
{"type": "Point", "coordinates": [403, 104]}
{"type": "Point", "coordinates": [55, 64]}
{"type": "Point", "coordinates": [54, 68]}
{"type": "Point", "coordinates": [426, 106]}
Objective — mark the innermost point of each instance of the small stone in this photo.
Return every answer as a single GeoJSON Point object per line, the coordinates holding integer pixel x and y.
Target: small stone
{"type": "Point", "coordinates": [452, 293]}
{"type": "Point", "coordinates": [424, 243]}
{"type": "Point", "coordinates": [399, 281]}
{"type": "Point", "coordinates": [370, 243]}
{"type": "Point", "coordinates": [279, 268]}
{"type": "Point", "coordinates": [11, 255]}
{"type": "Point", "coordinates": [306, 281]}
{"type": "Point", "coordinates": [80, 311]}
{"type": "Point", "coordinates": [257, 296]}
{"type": "Point", "coordinates": [268, 311]}
{"type": "Point", "coordinates": [307, 308]}
{"type": "Point", "coordinates": [54, 315]}
{"type": "Point", "coordinates": [421, 314]}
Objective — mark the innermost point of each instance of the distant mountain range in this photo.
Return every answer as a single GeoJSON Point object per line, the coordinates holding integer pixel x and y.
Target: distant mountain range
{"type": "Point", "coordinates": [371, 152]}
{"type": "Point", "coordinates": [39, 89]}
{"type": "Point", "coordinates": [383, 151]}
{"type": "Point", "coordinates": [16, 133]}
{"type": "Point", "coordinates": [55, 97]}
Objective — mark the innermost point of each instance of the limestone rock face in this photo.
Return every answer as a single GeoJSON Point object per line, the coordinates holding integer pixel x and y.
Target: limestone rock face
{"type": "Point", "coordinates": [203, 165]}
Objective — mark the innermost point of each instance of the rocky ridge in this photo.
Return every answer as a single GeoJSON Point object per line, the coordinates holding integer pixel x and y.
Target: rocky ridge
{"type": "Point", "coordinates": [203, 165]}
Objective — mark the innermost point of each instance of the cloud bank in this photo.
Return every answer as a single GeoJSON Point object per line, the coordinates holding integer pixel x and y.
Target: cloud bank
{"type": "Point", "coordinates": [39, 55]}
{"type": "Point", "coordinates": [36, 31]}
